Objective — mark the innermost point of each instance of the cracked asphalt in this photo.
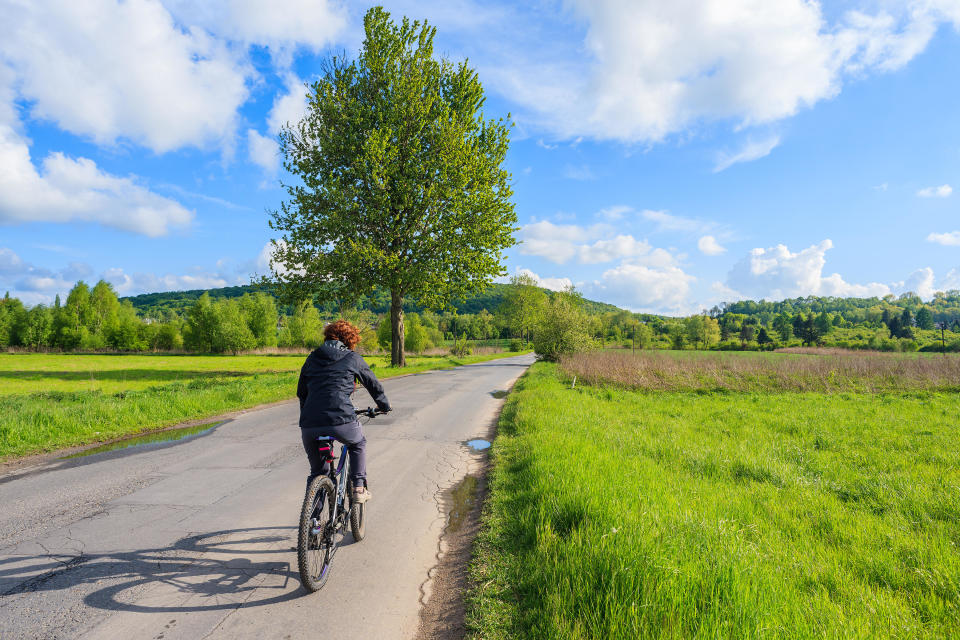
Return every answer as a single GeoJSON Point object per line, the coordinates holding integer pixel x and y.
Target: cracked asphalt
{"type": "Point", "coordinates": [197, 539]}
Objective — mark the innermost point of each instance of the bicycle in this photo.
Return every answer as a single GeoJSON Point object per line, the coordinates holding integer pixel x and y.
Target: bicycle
{"type": "Point", "coordinates": [324, 514]}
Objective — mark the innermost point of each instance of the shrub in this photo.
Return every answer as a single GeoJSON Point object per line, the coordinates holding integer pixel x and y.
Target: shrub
{"type": "Point", "coordinates": [460, 348]}
{"type": "Point", "coordinates": [562, 329]}
{"type": "Point", "coordinates": [516, 345]}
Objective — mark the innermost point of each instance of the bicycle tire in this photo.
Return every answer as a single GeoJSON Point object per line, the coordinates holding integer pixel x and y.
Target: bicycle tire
{"type": "Point", "coordinates": [315, 551]}
{"type": "Point", "coordinates": [357, 523]}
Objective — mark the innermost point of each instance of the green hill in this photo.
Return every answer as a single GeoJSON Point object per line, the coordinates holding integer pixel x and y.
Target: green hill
{"type": "Point", "coordinates": [157, 304]}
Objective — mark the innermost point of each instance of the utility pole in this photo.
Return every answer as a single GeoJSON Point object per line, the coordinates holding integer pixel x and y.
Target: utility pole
{"type": "Point", "coordinates": [943, 342]}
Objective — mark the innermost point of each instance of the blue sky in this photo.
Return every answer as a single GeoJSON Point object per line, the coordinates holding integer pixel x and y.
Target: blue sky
{"type": "Point", "coordinates": [665, 157]}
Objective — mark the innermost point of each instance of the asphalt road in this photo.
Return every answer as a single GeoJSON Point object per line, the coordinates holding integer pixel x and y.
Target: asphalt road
{"type": "Point", "coordinates": [196, 539]}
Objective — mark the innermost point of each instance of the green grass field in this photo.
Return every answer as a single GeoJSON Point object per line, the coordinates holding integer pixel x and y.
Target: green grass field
{"type": "Point", "coordinates": [52, 401]}
{"type": "Point", "coordinates": [624, 513]}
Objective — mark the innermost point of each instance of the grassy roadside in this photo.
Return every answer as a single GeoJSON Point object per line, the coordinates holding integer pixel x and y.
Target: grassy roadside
{"type": "Point", "coordinates": [66, 400]}
{"type": "Point", "coordinates": [615, 513]}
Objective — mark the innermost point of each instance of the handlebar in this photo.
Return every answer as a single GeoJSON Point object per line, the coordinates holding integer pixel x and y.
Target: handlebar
{"type": "Point", "coordinates": [370, 412]}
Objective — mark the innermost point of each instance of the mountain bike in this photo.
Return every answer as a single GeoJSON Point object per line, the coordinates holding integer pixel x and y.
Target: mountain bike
{"type": "Point", "coordinates": [326, 509]}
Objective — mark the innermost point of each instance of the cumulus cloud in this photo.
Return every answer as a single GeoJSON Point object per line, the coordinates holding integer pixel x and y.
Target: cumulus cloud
{"type": "Point", "coordinates": [709, 246]}
{"type": "Point", "coordinates": [108, 70]}
{"type": "Point", "coordinates": [647, 69]}
{"type": "Point", "coordinates": [278, 24]}
{"type": "Point", "coordinates": [950, 238]}
{"type": "Point", "coordinates": [643, 288]}
{"type": "Point", "coordinates": [595, 244]}
{"type": "Point", "coordinates": [290, 106]}
{"type": "Point", "coordinates": [752, 150]}
{"type": "Point", "coordinates": [942, 191]}
{"type": "Point", "coordinates": [776, 273]}
{"type": "Point", "coordinates": [554, 284]}
{"type": "Point", "coordinates": [619, 247]}
{"type": "Point", "coordinates": [555, 242]}
{"type": "Point", "coordinates": [67, 189]}
{"type": "Point", "coordinates": [921, 282]}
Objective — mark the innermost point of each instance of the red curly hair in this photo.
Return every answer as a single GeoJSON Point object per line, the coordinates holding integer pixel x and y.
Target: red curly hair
{"type": "Point", "coordinates": [344, 332]}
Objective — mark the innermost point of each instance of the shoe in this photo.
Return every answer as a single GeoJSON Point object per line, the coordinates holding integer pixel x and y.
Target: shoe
{"type": "Point", "coordinates": [360, 495]}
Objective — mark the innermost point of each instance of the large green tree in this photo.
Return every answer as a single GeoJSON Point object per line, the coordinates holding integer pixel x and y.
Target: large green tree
{"type": "Point", "coordinates": [522, 305]}
{"type": "Point", "coordinates": [400, 179]}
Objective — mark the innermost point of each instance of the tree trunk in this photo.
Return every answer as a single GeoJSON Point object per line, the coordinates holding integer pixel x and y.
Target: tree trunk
{"type": "Point", "coordinates": [397, 357]}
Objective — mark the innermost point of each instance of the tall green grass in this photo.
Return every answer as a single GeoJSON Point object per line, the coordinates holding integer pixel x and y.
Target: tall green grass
{"type": "Point", "coordinates": [624, 514]}
{"type": "Point", "coordinates": [66, 400]}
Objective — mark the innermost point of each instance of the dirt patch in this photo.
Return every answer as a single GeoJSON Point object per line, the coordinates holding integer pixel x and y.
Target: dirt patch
{"type": "Point", "coordinates": [442, 617]}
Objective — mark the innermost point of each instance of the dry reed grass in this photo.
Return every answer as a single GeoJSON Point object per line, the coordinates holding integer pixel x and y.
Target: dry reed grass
{"type": "Point", "coordinates": [838, 372]}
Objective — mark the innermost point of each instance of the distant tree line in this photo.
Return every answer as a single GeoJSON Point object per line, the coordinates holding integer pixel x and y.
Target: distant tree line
{"type": "Point", "coordinates": [245, 318]}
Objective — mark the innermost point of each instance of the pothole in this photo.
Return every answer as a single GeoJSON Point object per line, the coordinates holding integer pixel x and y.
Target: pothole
{"type": "Point", "coordinates": [157, 437]}
{"type": "Point", "coordinates": [478, 444]}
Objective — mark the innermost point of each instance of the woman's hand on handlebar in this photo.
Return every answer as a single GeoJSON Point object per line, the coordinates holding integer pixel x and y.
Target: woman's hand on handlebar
{"type": "Point", "coordinates": [371, 412]}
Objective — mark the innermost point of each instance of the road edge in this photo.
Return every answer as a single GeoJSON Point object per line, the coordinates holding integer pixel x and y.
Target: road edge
{"type": "Point", "coordinates": [443, 614]}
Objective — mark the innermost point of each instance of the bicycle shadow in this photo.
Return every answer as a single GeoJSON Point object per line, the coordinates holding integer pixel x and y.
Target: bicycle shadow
{"type": "Point", "coordinates": [207, 572]}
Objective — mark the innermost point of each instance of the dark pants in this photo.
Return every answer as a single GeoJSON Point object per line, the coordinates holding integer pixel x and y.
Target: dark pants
{"type": "Point", "coordinates": [350, 434]}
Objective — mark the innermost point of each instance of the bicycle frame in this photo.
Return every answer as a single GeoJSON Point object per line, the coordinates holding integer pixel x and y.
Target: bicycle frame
{"type": "Point", "coordinates": [339, 478]}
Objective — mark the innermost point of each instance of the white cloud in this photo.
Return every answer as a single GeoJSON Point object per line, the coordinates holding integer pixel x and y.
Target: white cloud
{"type": "Point", "coordinates": [279, 24]}
{"type": "Point", "coordinates": [951, 281]}
{"type": "Point", "coordinates": [67, 189]}
{"type": "Point", "coordinates": [647, 69]}
{"type": "Point", "coordinates": [264, 151]}
{"type": "Point", "coordinates": [620, 247]}
{"type": "Point", "coordinates": [561, 243]}
{"type": "Point", "coordinates": [554, 284]}
{"type": "Point", "coordinates": [950, 238]}
{"type": "Point", "coordinates": [709, 246]}
{"type": "Point", "coordinates": [126, 284]}
{"type": "Point", "coordinates": [752, 150]}
{"type": "Point", "coordinates": [921, 282]}
{"type": "Point", "coordinates": [643, 288]}
{"type": "Point", "coordinates": [942, 191]}
{"type": "Point", "coordinates": [555, 242]}
{"type": "Point", "coordinates": [288, 107]}
{"type": "Point", "coordinates": [776, 273]}
{"type": "Point", "coordinates": [668, 222]}
{"type": "Point", "coordinates": [109, 70]}
{"type": "Point", "coordinates": [614, 213]}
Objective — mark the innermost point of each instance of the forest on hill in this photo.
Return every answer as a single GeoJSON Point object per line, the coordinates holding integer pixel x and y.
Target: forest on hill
{"type": "Point", "coordinates": [156, 305]}
{"type": "Point", "coordinates": [236, 319]}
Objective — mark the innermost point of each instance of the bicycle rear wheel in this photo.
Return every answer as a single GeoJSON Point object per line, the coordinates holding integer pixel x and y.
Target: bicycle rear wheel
{"type": "Point", "coordinates": [315, 538]}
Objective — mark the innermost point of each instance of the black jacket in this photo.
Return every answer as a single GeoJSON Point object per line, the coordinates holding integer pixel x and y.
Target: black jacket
{"type": "Point", "coordinates": [327, 381]}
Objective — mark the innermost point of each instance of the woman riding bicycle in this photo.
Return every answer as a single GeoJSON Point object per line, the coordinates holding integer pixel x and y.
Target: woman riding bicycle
{"type": "Point", "coordinates": [327, 379]}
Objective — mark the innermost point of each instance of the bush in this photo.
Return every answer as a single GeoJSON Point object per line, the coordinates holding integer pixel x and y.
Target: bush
{"type": "Point", "coordinates": [562, 328]}
{"type": "Point", "coordinates": [460, 348]}
{"type": "Point", "coordinates": [517, 345]}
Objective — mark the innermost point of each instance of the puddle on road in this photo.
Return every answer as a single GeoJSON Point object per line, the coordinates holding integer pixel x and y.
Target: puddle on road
{"type": "Point", "coordinates": [478, 445]}
{"type": "Point", "coordinates": [157, 437]}
{"type": "Point", "coordinates": [464, 496]}
{"type": "Point", "coordinates": [499, 394]}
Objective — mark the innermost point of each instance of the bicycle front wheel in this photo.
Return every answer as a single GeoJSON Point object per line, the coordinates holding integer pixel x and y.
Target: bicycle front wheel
{"type": "Point", "coordinates": [315, 539]}
{"type": "Point", "coordinates": [357, 525]}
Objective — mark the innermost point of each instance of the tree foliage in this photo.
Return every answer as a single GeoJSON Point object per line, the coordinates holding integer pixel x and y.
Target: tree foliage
{"type": "Point", "coordinates": [562, 327]}
{"type": "Point", "coordinates": [400, 179]}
